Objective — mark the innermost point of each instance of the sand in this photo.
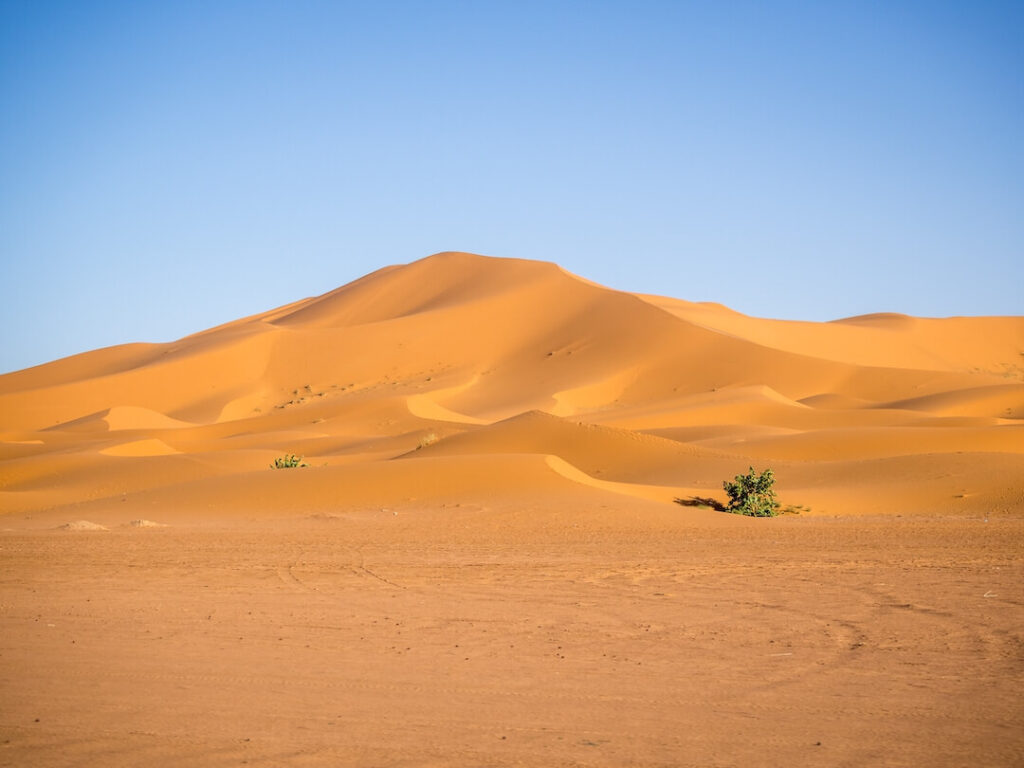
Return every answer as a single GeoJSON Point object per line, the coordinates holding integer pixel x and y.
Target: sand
{"type": "Point", "coordinates": [484, 563]}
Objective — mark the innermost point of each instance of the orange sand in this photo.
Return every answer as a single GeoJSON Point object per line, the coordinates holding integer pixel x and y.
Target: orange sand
{"type": "Point", "coordinates": [483, 563]}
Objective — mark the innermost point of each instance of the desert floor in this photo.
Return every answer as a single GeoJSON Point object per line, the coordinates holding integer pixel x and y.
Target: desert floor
{"type": "Point", "coordinates": [543, 635]}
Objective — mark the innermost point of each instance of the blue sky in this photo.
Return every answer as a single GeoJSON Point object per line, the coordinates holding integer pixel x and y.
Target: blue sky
{"type": "Point", "coordinates": [165, 167]}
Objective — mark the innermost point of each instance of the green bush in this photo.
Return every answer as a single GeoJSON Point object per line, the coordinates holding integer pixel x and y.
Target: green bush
{"type": "Point", "coordinates": [288, 461]}
{"type": "Point", "coordinates": [752, 495]}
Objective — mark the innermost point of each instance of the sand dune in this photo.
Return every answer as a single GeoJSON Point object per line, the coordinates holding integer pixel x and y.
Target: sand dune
{"type": "Point", "coordinates": [146, 447]}
{"type": "Point", "coordinates": [462, 356]}
{"type": "Point", "coordinates": [482, 561]}
{"type": "Point", "coordinates": [972, 344]}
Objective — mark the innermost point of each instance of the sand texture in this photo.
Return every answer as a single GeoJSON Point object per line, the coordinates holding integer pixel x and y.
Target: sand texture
{"type": "Point", "coordinates": [483, 562]}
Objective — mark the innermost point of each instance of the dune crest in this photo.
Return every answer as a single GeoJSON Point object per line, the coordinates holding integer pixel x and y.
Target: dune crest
{"type": "Point", "coordinates": [506, 365]}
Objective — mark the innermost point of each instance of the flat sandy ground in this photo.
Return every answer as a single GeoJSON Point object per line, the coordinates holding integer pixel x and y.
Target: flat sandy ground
{"type": "Point", "coordinates": [523, 636]}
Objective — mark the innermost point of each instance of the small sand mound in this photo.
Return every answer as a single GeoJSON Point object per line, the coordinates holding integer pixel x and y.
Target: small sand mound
{"type": "Point", "coordinates": [147, 447]}
{"type": "Point", "coordinates": [82, 525]}
{"type": "Point", "coordinates": [146, 524]}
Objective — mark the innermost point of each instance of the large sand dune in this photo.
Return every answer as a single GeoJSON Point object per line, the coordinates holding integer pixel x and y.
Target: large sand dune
{"type": "Point", "coordinates": [494, 448]}
{"type": "Point", "coordinates": [484, 356]}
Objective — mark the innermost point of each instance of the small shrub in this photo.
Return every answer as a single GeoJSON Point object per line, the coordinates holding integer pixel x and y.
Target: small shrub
{"type": "Point", "coordinates": [428, 439]}
{"type": "Point", "coordinates": [288, 461]}
{"type": "Point", "coordinates": [752, 495]}
{"type": "Point", "coordinates": [791, 509]}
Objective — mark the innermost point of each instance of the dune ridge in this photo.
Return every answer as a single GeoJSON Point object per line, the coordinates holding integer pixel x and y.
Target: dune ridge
{"type": "Point", "coordinates": [464, 359]}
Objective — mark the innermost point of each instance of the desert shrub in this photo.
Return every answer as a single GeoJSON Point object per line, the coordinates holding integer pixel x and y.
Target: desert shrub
{"type": "Point", "coordinates": [752, 494]}
{"type": "Point", "coordinates": [428, 439]}
{"type": "Point", "coordinates": [288, 461]}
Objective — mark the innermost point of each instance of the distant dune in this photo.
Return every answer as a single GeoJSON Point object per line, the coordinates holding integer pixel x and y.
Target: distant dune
{"type": "Point", "coordinates": [461, 376]}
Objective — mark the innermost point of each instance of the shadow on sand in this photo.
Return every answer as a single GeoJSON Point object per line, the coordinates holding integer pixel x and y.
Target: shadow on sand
{"type": "Point", "coordinates": [703, 502]}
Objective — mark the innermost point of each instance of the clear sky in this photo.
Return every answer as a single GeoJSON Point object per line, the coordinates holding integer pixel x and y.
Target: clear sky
{"type": "Point", "coordinates": [168, 166]}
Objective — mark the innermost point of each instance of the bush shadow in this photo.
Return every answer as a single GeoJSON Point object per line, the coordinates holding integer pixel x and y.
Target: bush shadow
{"type": "Point", "coordinates": [702, 501]}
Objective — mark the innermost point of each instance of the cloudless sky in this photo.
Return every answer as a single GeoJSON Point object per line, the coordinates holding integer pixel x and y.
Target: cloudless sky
{"type": "Point", "coordinates": [168, 166]}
